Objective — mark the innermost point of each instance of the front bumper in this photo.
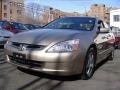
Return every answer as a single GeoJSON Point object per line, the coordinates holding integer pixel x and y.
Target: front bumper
{"type": "Point", "coordinates": [70, 63]}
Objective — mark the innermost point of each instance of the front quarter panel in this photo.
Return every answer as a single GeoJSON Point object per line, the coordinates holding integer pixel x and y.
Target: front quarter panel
{"type": "Point", "coordinates": [86, 40]}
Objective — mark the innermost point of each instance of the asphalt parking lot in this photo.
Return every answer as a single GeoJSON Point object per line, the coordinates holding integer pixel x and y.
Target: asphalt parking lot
{"type": "Point", "coordinates": [106, 77]}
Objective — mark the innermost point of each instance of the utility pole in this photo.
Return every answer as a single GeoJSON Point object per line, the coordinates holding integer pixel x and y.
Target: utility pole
{"type": "Point", "coordinates": [86, 14]}
{"type": "Point", "coordinates": [50, 16]}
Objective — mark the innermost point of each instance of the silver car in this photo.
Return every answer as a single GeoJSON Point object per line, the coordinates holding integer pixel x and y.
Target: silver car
{"type": "Point", "coordinates": [4, 36]}
{"type": "Point", "coordinates": [66, 46]}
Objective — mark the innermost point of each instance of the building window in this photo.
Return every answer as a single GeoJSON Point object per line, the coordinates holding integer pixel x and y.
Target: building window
{"type": "Point", "coordinates": [5, 15]}
{"type": "Point", "coordinates": [116, 18]}
{"type": "Point", "coordinates": [15, 3]}
{"type": "Point", "coordinates": [19, 12]}
{"type": "Point", "coordinates": [10, 11]}
{"type": "Point", "coordinates": [5, 7]}
{"type": "Point", "coordinates": [19, 5]}
{"type": "Point", "coordinates": [11, 4]}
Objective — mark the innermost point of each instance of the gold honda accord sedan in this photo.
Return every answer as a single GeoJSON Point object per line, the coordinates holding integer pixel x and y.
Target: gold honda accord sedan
{"type": "Point", "coordinates": [65, 46]}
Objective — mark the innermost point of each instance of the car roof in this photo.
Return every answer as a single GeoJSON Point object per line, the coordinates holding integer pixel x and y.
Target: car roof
{"type": "Point", "coordinates": [80, 17]}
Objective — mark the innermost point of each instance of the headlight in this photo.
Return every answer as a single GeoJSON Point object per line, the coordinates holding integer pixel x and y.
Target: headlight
{"type": "Point", "coordinates": [66, 46]}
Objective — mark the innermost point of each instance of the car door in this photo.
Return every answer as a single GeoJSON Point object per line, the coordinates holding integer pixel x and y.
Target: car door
{"type": "Point", "coordinates": [102, 42]}
{"type": "Point", "coordinates": [110, 39]}
{"type": "Point", "coordinates": [7, 26]}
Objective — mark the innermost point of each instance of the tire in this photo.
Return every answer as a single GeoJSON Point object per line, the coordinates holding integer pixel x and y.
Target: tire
{"type": "Point", "coordinates": [111, 56]}
{"type": "Point", "coordinates": [89, 64]}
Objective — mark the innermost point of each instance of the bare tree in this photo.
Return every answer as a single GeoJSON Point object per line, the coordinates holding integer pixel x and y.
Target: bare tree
{"type": "Point", "coordinates": [34, 13]}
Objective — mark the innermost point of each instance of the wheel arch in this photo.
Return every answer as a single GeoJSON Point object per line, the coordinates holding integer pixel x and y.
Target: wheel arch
{"type": "Point", "coordinates": [95, 48]}
{"type": "Point", "coordinates": [83, 71]}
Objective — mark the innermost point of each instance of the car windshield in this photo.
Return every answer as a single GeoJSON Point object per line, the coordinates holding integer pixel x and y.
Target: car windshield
{"type": "Point", "coordinates": [73, 23]}
{"type": "Point", "coordinates": [19, 26]}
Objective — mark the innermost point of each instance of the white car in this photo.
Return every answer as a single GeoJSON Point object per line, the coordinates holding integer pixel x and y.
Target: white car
{"type": "Point", "coordinates": [4, 36]}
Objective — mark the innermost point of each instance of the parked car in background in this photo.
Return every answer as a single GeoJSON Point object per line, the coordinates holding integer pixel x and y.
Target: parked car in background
{"type": "Point", "coordinates": [5, 25]}
{"type": "Point", "coordinates": [38, 26]}
{"type": "Point", "coordinates": [30, 26]}
{"type": "Point", "coordinates": [116, 32]}
{"type": "Point", "coordinates": [18, 27]}
{"type": "Point", "coordinates": [4, 36]}
{"type": "Point", "coordinates": [66, 46]}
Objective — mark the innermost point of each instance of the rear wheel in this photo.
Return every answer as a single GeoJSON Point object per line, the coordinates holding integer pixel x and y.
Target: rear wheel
{"type": "Point", "coordinates": [89, 65]}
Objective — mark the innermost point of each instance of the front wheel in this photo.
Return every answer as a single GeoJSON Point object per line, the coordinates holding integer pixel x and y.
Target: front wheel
{"type": "Point", "coordinates": [89, 65]}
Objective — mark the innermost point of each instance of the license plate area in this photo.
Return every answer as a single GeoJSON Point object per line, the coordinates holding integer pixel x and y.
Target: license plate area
{"type": "Point", "coordinates": [18, 55]}
{"type": "Point", "coordinates": [21, 59]}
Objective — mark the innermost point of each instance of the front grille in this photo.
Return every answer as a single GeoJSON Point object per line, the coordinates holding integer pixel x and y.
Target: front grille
{"type": "Point", "coordinates": [28, 46]}
{"type": "Point", "coordinates": [29, 63]}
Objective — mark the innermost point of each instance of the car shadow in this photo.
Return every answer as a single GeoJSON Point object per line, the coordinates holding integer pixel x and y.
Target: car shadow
{"type": "Point", "coordinates": [60, 78]}
{"type": "Point", "coordinates": [48, 76]}
{"type": "Point", "coordinates": [101, 64]}
{"type": "Point", "coordinates": [46, 83]}
{"type": "Point", "coordinates": [29, 84]}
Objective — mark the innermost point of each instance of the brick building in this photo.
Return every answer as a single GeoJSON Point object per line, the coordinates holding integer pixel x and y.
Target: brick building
{"type": "Point", "coordinates": [101, 11]}
{"type": "Point", "coordinates": [12, 10]}
{"type": "Point", "coordinates": [52, 14]}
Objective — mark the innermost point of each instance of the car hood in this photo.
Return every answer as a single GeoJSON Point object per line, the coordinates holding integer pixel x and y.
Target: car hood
{"type": "Point", "coordinates": [6, 33]}
{"type": "Point", "coordinates": [44, 36]}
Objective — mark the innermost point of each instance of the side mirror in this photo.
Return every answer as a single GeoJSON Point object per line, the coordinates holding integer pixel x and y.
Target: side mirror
{"type": "Point", "coordinates": [104, 30]}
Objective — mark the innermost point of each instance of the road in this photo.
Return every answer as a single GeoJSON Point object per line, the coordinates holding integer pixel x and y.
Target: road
{"type": "Point", "coordinates": [106, 77]}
